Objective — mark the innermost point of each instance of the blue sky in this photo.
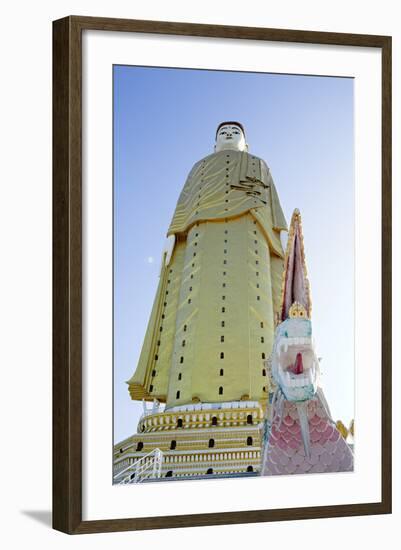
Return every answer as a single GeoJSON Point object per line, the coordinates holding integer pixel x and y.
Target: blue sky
{"type": "Point", "coordinates": [302, 126]}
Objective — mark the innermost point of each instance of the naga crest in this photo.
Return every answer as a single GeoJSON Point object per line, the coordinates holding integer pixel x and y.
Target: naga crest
{"type": "Point", "coordinates": [294, 365]}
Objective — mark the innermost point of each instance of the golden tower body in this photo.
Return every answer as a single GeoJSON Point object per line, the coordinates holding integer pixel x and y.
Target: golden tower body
{"type": "Point", "coordinates": [212, 325]}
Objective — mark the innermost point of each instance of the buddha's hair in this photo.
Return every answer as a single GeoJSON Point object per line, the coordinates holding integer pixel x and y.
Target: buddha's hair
{"type": "Point", "coordinates": [231, 122]}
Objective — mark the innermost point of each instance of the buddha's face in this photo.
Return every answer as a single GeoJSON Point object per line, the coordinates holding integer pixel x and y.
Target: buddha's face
{"type": "Point", "coordinates": [230, 137]}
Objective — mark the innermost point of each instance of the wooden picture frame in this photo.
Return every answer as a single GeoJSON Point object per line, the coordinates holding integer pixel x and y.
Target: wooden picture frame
{"type": "Point", "coordinates": [67, 273]}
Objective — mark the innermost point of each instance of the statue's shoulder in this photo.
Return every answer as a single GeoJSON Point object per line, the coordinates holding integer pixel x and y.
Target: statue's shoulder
{"type": "Point", "coordinates": [260, 159]}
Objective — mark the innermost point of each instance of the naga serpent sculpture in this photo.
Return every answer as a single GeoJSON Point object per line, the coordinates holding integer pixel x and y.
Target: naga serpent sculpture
{"type": "Point", "coordinates": [299, 434]}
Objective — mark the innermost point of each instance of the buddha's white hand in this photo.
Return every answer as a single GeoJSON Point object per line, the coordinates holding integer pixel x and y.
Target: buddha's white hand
{"type": "Point", "coordinates": [168, 249]}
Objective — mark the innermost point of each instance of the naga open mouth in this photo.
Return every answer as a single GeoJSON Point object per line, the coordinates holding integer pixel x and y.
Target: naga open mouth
{"type": "Point", "coordinates": [294, 362]}
{"type": "Point", "coordinates": [297, 362]}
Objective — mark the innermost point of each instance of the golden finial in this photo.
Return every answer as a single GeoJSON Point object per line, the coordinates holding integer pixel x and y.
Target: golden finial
{"type": "Point", "coordinates": [342, 429]}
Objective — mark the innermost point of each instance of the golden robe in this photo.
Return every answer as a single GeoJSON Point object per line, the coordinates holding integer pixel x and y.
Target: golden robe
{"type": "Point", "coordinates": [212, 322]}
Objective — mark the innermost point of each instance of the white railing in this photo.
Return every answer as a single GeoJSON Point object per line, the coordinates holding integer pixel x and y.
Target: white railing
{"type": "Point", "coordinates": [156, 408]}
{"type": "Point", "coordinates": [146, 467]}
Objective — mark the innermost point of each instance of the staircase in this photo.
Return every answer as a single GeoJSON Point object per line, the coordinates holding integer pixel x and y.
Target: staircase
{"type": "Point", "coordinates": [145, 468]}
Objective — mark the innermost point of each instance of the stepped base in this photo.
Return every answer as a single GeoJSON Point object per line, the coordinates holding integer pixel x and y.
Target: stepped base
{"type": "Point", "coordinates": [198, 441]}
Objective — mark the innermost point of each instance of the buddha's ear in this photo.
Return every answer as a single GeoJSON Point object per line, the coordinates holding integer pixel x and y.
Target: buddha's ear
{"type": "Point", "coordinates": [246, 147]}
{"type": "Point", "coordinates": [214, 148]}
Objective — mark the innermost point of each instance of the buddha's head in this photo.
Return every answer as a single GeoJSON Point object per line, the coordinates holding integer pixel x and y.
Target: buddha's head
{"type": "Point", "coordinates": [230, 135]}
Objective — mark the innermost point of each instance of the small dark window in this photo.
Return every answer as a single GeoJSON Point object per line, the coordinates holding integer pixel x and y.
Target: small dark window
{"type": "Point", "coordinates": [121, 451]}
{"type": "Point", "coordinates": [249, 469]}
{"type": "Point", "coordinates": [210, 471]}
{"type": "Point", "coordinates": [264, 388]}
{"type": "Point", "coordinates": [221, 372]}
{"type": "Point", "coordinates": [190, 289]}
{"type": "Point", "coordinates": [132, 476]}
{"type": "Point", "coordinates": [222, 355]}
{"type": "Point", "coordinates": [221, 338]}
{"type": "Point", "coordinates": [214, 421]}
{"type": "Point", "coordinates": [249, 419]}
{"type": "Point", "coordinates": [223, 297]}
{"type": "Point", "coordinates": [169, 473]}
{"type": "Point", "coordinates": [249, 440]}
{"type": "Point", "coordinates": [163, 316]}
{"type": "Point", "coordinates": [221, 390]}
{"type": "Point", "coordinates": [222, 323]}
{"type": "Point", "coordinates": [257, 274]}
{"type": "Point", "coordinates": [139, 446]}
{"type": "Point", "coordinates": [223, 309]}
{"type": "Point", "coordinates": [224, 273]}
{"type": "Point", "coordinates": [185, 328]}
{"type": "Point", "coordinates": [151, 388]}
{"type": "Point", "coordinates": [261, 324]}
{"type": "Point", "coordinates": [156, 357]}
{"type": "Point", "coordinates": [183, 343]}
{"type": "Point", "coordinates": [262, 340]}
{"type": "Point", "coordinates": [257, 262]}
{"type": "Point", "coordinates": [263, 372]}
{"type": "Point", "coordinates": [225, 262]}
{"type": "Point", "coordinates": [211, 443]}
{"type": "Point", "coordinates": [193, 265]}
{"type": "Point", "coordinates": [181, 359]}
{"type": "Point", "coordinates": [258, 297]}
{"type": "Point", "coordinates": [179, 376]}
{"type": "Point", "coordinates": [189, 301]}
{"type": "Point", "coordinates": [224, 285]}
{"type": "Point", "coordinates": [177, 395]}
{"type": "Point", "coordinates": [161, 328]}
{"type": "Point", "coordinates": [263, 355]}
{"type": "Point", "coordinates": [153, 371]}
{"type": "Point", "coordinates": [173, 445]}
{"type": "Point", "coordinates": [165, 303]}
{"type": "Point", "coordinates": [179, 423]}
